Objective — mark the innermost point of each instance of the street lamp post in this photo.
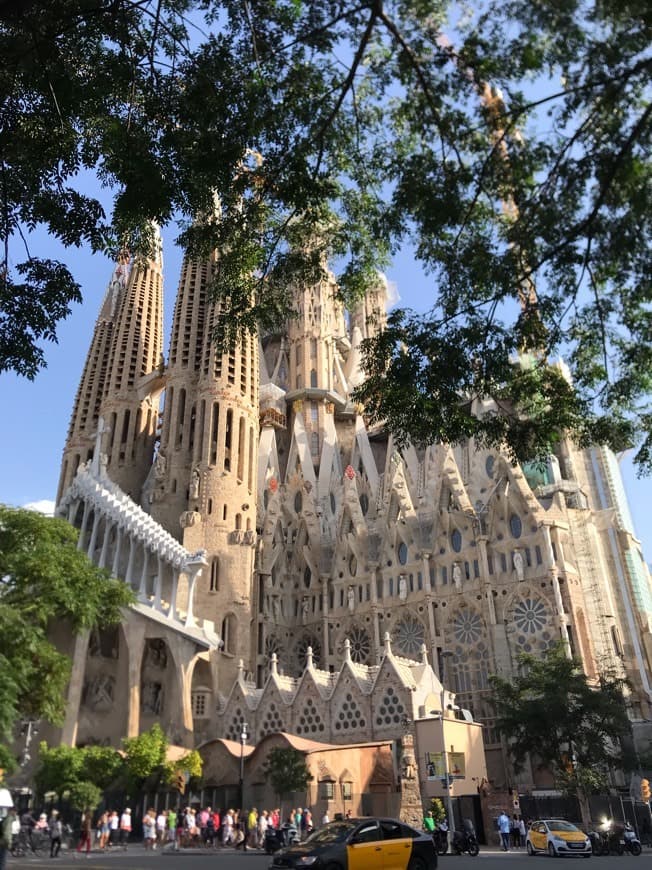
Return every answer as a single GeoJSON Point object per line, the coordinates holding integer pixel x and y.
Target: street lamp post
{"type": "Point", "coordinates": [243, 740]}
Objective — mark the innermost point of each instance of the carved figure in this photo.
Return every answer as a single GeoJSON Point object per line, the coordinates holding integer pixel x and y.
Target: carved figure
{"type": "Point", "coordinates": [194, 483]}
{"type": "Point", "coordinates": [457, 576]}
{"type": "Point", "coordinates": [350, 597]}
{"type": "Point", "coordinates": [152, 699]}
{"type": "Point", "coordinates": [189, 518]}
{"type": "Point", "coordinates": [276, 608]}
{"type": "Point", "coordinates": [402, 587]}
{"type": "Point", "coordinates": [160, 466]}
{"type": "Point", "coordinates": [156, 654]}
{"type": "Point", "coordinates": [305, 608]}
{"type": "Point", "coordinates": [519, 565]}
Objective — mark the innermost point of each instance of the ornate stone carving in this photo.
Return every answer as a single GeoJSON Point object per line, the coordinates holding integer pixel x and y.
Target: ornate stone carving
{"type": "Point", "coordinates": [156, 654]}
{"type": "Point", "coordinates": [152, 698]}
{"type": "Point", "coordinates": [100, 693]}
{"type": "Point", "coordinates": [189, 518]}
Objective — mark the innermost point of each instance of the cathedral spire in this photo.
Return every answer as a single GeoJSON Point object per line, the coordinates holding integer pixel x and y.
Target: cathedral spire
{"type": "Point", "coordinates": [85, 416]}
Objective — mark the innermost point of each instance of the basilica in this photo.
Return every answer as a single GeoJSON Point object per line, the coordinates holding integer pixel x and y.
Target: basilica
{"type": "Point", "coordinates": [294, 570]}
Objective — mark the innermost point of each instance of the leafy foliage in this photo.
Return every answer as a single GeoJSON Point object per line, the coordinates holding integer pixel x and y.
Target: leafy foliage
{"type": "Point", "coordinates": [85, 796]}
{"type": "Point", "coordinates": [145, 755]}
{"type": "Point", "coordinates": [553, 714]}
{"type": "Point", "coordinates": [45, 578]}
{"type": "Point", "coordinates": [287, 771]}
{"type": "Point", "coordinates": [505, 144]}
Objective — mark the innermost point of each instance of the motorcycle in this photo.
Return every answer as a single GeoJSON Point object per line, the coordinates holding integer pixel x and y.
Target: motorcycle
{"type": "Point", "coordinates": [278, 838]}
{"type": "Point", "coordinates": [466, 840]}
{"type": "Point", "coordinates": [440, 839]}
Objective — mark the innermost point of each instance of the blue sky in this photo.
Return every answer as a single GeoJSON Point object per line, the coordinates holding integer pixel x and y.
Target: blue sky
{"type": "Point", "coordinates": [36, 414]}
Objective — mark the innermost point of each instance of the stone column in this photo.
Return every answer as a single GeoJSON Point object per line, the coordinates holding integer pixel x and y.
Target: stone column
{"type": "Point", "coordinates": [193, 574]}
{"type": "Point", "coordinates": [75, 688]}
{"type": "Point", "coordinates": [135, 637]}
{"type": "Point", "coordinates": [82, 531]}
{"type": "Point", "coordinates": [411, 808]}
{"type": "Point", "coordinates": [158, 587]}
{"type": "Point", "coordinates": [130, 561]}
{"type": "Point", "coordinates": [116, 556]}
{"type": "Point", "coordinates": [142, 589]}
{"type": "Point", "coordinates": [172, 609]}
{"type": "Point", "coordinates": [93, 540]}
{"type": "Point", "coordinates": [324, 621]}
{"type": "Point", "coordinates": [105, 544]}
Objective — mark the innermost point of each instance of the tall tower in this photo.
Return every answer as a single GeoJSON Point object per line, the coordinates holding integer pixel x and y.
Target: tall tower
{"type": "Point", "coordinates": [92, 385]}
{"type": "Point", "coordinates": [205, 490]}
{"type": "Point", "coordinates": [133, 385]}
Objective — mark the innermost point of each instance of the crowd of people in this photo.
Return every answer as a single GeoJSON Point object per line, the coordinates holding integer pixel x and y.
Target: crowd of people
{"type": "Point", "coordinates": [208, 827]}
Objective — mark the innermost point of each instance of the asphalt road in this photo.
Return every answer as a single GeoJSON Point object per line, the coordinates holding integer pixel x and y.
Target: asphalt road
{"type": "Point", "coordinates": [227, 859]}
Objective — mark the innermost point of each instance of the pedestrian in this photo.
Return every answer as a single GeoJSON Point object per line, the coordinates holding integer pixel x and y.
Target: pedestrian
{"type": "Point", "coordinates": [125, 828]}
{"type": "Point", "coordinates": [85, 833]}
{"type": "Point", "coordinates": [263, 824]}
{"type": "Point", "coordinates": [217, 826]}
{"type": "Point", "coordinates": [56, 831]}
{"type": "Point", "coordinates": [252, 827]}
{"type": "Point", "coordinates": [227, 829]}
{"type": "Point", "coordinates": [149, 829]}
{"type": "Point", "coordinates": [172, 828]}
{"type": "Point", "coordinates": [522, 830]}
{"type": "Point", "coordinates": [114, 825]}
{"type": "Point", "coordinates": [103, 831]}
{"type": "Point", "coordinates": [504, 826]}
{"type": "Point", "coordinates": [161, 828]}
{"type": "Point", "coordinates": [325, 820]}
{"type": "Point", "coordinates": [429, 822]}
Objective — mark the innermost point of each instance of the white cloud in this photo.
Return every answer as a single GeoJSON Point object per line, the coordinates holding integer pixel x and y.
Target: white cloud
{"type": "Point", "coordinates": [44, 506]}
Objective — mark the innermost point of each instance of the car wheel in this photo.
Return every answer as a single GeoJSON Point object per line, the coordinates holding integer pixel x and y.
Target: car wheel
{"type": "Point", "coordinates": [552, 851]}
{"type": "Point", "coordinates": [530, 849]}
{"type": "Point", "coordinates": [417, 864]}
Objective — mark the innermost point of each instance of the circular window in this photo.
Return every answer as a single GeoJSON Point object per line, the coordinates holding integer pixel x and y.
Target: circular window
{"type": "Point", "coordinates": [402, 553]}
{"type": "Point", "coordinates": [456, 540]}
{"type": "Point", "coordinates": [364, 503]}
{"type": "Point", "coordinates": [489, 466]}
{"type": "Point", "coordinates": [298, 503]}
{"type": "Point", "coordinates": [515, 525]}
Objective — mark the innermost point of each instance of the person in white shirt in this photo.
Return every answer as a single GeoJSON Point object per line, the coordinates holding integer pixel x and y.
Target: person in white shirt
{"type": "Point", "coordinates": [161, 827]}
{"type": "Point", "coordinates": [324, 819]}
{"type": "Point", "coordinates": [125, 827]}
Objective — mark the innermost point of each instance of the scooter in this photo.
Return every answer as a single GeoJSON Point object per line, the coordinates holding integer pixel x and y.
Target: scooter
{"type": "Point", "coordinates": [631, 841]}
{"type": "Point", "coordinates": [466, 840]}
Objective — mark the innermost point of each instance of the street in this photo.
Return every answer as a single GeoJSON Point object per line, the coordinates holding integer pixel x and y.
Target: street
{"type": "Point", "coordinates": [226, 859]}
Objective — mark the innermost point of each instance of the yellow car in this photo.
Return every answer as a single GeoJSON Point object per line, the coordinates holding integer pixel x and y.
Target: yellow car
{"type": "Point", "coordinates": [557, 837]}
{"type": "Point", "coordinates": [361, 844]}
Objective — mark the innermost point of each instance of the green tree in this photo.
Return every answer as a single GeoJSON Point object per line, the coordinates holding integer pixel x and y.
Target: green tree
{"type": "Point", "coordinates": [145, 756]}
{"type": "Point", "coordinates": [287, 771]}
{"type": "Point", "coordinates": [63, 767]}
{"type": "Point", "coordinates": [506, 143]}
{"type": "Point", "coordinates": [85, 796]}
{"type": "Point", "coordinates": [45, 579]}
{"type": "Point", "coordinates": [551, 713]}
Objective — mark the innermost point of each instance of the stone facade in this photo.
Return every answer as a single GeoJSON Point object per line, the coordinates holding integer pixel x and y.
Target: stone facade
{"type": "Point", "coordinates": [314, 537]}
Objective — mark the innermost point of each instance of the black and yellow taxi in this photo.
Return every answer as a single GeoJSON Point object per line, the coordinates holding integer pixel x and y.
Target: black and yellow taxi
{"type": "Point", "coordinates": [361, 844]}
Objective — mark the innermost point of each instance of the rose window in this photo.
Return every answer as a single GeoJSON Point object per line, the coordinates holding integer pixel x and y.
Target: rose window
{"type": "Point", "coordinates": [360, 645]}
{"type": "Point", "coordinates": [530, 615]}
{"type": "Point", "coordinates": [301, 651]}
{"type": "Point", "coordinates": [409, 636]}
{"type": "Point", "coordinates": [467, 626]}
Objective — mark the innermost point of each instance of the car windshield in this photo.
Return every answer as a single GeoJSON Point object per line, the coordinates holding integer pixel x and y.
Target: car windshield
{"type": "Point", "coordinates": [561, 825]}
{"type": "Point", "coordinates": [336, 832]}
